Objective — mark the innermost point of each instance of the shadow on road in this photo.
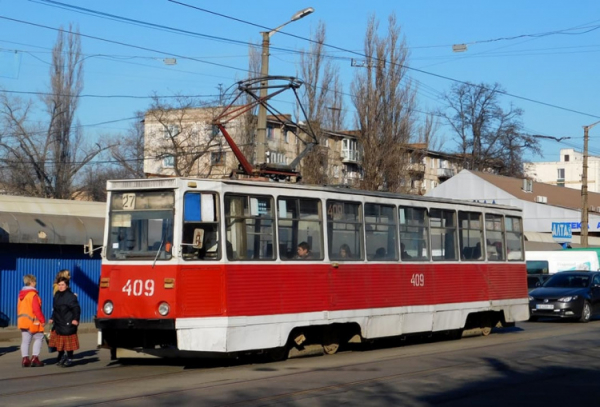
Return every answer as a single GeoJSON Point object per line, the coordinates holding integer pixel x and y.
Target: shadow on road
{"type": "Point", "coordinates": [8, 349]}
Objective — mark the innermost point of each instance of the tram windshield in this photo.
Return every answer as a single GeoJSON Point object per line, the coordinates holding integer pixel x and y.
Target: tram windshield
{"type": "Point", "coordinates": [141, 225]}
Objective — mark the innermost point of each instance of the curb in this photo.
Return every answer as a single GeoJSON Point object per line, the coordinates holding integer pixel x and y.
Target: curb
{"type": "Point", "coordinates": [12, 332]}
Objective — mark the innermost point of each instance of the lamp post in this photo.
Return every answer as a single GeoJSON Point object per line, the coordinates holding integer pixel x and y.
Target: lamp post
{"type": "Point", "coordinates": [261, 130]}
{"type": "Point", "coordinates": [584, 187]}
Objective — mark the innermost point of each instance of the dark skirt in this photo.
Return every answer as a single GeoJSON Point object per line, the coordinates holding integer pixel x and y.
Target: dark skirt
{"type": "Point", "coordinates": [64, 342]}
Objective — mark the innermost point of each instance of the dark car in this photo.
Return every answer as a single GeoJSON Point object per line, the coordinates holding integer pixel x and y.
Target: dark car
{"type": "Point", "coordinates": [568, 294]}
{"type": "Point", "coordinates": [536, 280]}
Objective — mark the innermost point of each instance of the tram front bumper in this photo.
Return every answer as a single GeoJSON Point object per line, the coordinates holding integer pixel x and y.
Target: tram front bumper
{"type": "Point", "coordinates": [134, 323]}
{"type": "Point", "coordinates": [134, 333]}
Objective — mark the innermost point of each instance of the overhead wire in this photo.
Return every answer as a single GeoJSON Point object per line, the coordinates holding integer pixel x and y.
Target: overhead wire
{"type": "Point", "coordinates": [295, 36]}
{"type": "Point", "coordinates": [402, 65]}
{"type": "Point", "coordinates": [220, 38]}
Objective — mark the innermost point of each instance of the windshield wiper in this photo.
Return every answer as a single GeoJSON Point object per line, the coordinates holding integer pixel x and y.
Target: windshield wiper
{"type": "Point", "coordinates": [158, 252]}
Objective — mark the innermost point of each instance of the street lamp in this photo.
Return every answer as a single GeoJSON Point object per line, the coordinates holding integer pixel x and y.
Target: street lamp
{"type": "Point", "coordinates": [584, 187]}
{"type": "Point", "coordinates": [261, 130]}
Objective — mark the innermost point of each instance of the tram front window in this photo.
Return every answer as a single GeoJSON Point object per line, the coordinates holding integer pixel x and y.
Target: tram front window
{"type": "Point", "coordinates": [141, 225]}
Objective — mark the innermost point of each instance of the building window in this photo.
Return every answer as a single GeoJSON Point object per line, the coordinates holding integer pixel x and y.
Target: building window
{"type": "Point", "coordinates": [566, 157]}
{"type": "Point", "coordinates": [561, 174]}
{"type": "Point", "coordinates": [217, 158]}
{"type": "Point", "coordinates": [350, 150]}
{"type": "Point", "coordinates": [171, 130]}
{"type": "Point", "coordinates": [270, 133]}
{"type": "Point", "coordinates": [286, 136]}
{"type": "Point", "coordinates": [168, 161]}
{"type": "Point", "coordinates": [276, 158]}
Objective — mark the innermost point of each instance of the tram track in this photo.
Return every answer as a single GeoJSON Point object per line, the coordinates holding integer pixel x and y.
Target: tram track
{"type": "Point", "coordinates": [317, 390]}
{"type": "Point", "coordinates": [412, 352]}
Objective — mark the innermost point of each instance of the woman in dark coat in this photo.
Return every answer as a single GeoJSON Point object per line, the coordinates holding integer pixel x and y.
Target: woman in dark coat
{"type": "Point", "coordinates": [65, 317]}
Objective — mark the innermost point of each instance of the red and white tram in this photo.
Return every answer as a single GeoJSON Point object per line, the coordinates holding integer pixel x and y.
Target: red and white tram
{"type": "Point", "coordinates": [212, 266]}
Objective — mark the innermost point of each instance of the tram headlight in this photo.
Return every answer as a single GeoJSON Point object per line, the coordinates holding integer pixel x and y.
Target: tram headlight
{"type": "Point", "coordinates": [163, 309]}
{"type": "Point", "coordinates": [108, 307]}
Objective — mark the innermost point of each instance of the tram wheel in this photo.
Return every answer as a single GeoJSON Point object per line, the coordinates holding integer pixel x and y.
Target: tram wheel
{"type": "Point", "coordinates": [331, 341]}
{"type": "Point", "coordinates": [278, 354]}
{"type": "Point", "coordinates": [486, 330]}
{"type": "Point", "coordinates": [331, 348]}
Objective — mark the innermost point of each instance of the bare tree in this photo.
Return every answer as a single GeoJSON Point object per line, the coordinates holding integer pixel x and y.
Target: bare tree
{"type": "Point", "coordinates": [247, 140]}
{"type": "Point", "coordinates": [127, 150]}
{"type": "Point", "coordinates": [489, 137]}
{"type": "Point", "coordinates": [44, 159]}
{"type": "Point", "coordinates": [322, 101]}
{"type": "Point", "coordinates": [181, 133]}
{"type": "Point", "coordinates": [94, 180]}
{"type": "Point", "coordinates": [384, 98]}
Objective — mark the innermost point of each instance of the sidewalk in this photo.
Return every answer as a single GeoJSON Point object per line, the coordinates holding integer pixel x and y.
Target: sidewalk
{"type": "Point", "coordinates": [12, 332]}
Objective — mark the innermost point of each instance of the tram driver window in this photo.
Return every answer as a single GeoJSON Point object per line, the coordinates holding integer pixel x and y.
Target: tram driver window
{"type": "Point", "coordinates": [200, 237]}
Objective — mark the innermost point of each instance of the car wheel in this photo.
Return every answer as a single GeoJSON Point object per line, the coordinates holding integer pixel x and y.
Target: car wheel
{"type": "Point", "coordinates": [586, 312]}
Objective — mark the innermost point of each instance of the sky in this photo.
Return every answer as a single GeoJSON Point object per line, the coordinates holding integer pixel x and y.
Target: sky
{"type": "Point", "coordinates": [545, 54]}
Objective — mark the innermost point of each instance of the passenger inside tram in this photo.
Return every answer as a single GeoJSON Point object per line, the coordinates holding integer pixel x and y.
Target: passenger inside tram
{"type": "Point", "coordinates": [380, 253]}
{"type": "Point", "coordinates": [345, 252]}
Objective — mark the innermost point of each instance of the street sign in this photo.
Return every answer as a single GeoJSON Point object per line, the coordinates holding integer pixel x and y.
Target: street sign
{"type": "Point", "coordinates": [561, 232]}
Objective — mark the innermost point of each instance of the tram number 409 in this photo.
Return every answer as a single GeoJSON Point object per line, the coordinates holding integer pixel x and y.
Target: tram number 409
{"type": "Point", "coordinates": [138, 288]}
{"type": "Point", "coordinates": [418, 280]}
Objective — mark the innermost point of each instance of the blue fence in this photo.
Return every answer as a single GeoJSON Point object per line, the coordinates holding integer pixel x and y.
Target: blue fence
{"type": "Point", "coordinates": [44, 261]}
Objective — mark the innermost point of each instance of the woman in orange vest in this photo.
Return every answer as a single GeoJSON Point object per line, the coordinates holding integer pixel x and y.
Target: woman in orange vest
{"type": "Point", "coordinates": [31, 321]}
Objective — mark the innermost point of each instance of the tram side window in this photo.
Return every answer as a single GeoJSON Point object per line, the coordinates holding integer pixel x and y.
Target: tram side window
{"type": "Point", "coordinates": [300, 220]}
{"type": "Point", "coordinates": [344, 229]}
{"type": "Point", "coordinates": [414, 234]}
{"type": "Point", "coordinates": [443, 234]}
{"type": "Point", "coordinates": [494, 234]}
{"type": "Point", "coordinates": [250, 227]}
{"type": "Point", "coordinates": [200, 232]}
{"type": "Point", "coordinates": [514, 238]}
{"type": "Point", "coordinates": [381, 231]}
{"type": "Point", "coordinates": [470, 235]}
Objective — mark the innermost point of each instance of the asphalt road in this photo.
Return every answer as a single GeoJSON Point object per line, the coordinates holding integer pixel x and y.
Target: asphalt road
{"type": "Point", "coordinates": [533, 364]}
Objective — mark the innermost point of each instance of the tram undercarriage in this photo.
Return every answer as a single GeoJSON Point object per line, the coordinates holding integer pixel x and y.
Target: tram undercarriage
{"type": "Point", "coordinates": [129, 338]}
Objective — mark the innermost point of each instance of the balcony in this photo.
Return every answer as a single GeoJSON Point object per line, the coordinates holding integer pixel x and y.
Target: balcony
{"type": "Point", "coordinates": [417, 191]}
{"type": "Point", "coordinates": [445, 173]}
{"type": "Point", "coordinates": [350, 156]}
{"type": "Point", "coordinates": [416, 168]}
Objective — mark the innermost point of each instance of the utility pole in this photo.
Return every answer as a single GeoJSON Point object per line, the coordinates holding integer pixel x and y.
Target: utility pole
{"type": "Point", "coordinates": [584, 187]}
{"type": "Point", "coordinates": [261, 128]}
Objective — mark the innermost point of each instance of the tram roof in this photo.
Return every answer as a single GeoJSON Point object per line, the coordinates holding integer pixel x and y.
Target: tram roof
{"type": "Point", "coordinates": [175, 182]}
{"type": "Point", "coordinates": [50, 221]}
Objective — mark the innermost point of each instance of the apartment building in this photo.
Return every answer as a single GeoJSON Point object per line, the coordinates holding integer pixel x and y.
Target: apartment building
{"type": "Point", "coordinates": [567, 171]}
{"type": "Point", "coordinates": [185, 143]}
